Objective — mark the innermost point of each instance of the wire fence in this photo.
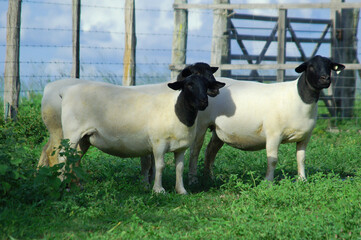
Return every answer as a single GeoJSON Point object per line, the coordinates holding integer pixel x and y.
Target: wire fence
{"type": "Point", "coordinates": [46, 47]}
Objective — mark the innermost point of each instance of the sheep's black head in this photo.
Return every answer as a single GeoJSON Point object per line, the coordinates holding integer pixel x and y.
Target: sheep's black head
{"type": "Point", "coordinates": [194, 89]}
{"type": "Point", "coordinates": [203, 69]}
{"type": "Point", "coordinates": [318, 71]}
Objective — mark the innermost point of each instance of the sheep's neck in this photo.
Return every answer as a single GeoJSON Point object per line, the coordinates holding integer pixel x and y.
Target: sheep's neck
{"type": "Point", "coordinates": [184, 111]}
{"type": "Point", "coordinates": [307, 93]}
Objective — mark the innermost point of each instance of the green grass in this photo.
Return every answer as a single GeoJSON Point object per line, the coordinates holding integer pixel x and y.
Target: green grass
{"type": "Point", "coordinates": [113, 204]}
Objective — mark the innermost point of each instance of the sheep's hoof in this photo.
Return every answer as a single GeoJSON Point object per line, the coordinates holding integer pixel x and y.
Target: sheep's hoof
{"type": "Point", "coordinates": [159, 190]}
{"type": "Point", "coordinates": [301, 179]}
{"type": "Point", "coordinates": [182, 191]}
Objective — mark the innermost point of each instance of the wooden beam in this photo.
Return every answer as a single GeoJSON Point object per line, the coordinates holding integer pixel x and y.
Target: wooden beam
{"type": "Point", "coordinates": [288, 39]}
{"type": "Point", "coordinates": [11, 74]}
{"type": "Point", "coordinates": [179, 44]}
{"type": "Point", "coordinates": [268, 6]}
{"type": "Point", "coordinates": [349, 66]}
{"type": "Point", "coordinates": [220, 38]}
{"type": "Point", "coordinates": [234, 35]}
{"type": "Point", "coordinates": [75, 71]}
{"type": "Point", "coordinates": [265, 58]}
{"type": "Point", "coordinates": [296, 41]}
{"type": "Point", "coordinates": [275, 19]}
{"type": "Point", "coordinates": [263, 78]}
{"type": "Point", "coordinates": [281, 49]}
{"type": "Point", "coordinates": [322, 38]}
{"type": "Point", "coordinates": [267, 44]}
{"type": "Point", "coordinates": [130, 44]}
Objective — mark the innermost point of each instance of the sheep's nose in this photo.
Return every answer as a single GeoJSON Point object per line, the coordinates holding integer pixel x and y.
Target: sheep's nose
{"type": "Point", "coordinates": [203, 104]}
{"type": "Point", "coordinates": [212, 92]}
{"type": "Point", "coordinates": [325, 79]}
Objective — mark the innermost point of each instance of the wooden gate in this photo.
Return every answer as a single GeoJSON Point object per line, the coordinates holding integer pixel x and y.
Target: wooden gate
{"type": "Point", "coordinates": [257, 59]}
{"type": "Point", "coordinates": [339, 101]}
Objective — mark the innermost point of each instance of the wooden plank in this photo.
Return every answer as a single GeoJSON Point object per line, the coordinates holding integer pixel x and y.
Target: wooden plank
{"type": "Point", "coordinates": [322, 38]}
{"type": "Point", "coordinates": [275, 19]}
{"type": "Point", "coordinates": [349, 66]}
{"type": "Point", "coordinates": [268, 43]}
{"type": "Point", "coordinates": [180, 33]}
{"type": "Point", "coordinates": [325, 5]}
{"type": "Point", "coordinates": [309, 20]}
{"type": "Point", "coordinates": [243, 48]}
{"type": "Point", "coordinates": [296, 41]}
{"type": "Point", "coordinates": [335, 14]}
{"type": "Point", "coordinates": [263, 78]}
{"type": "Point", "coordinates": [220, 38]}
{"type": "Point", "coordinates": [265, 58]}
{"type": "Point", "coordinates": [288, 39]}
{"type": "Point", "coordinates": [240, 43]}
{"type": "Point", "coordinates": [11, 74]}
{"type": "Point", "coordinates": [75, 71]}
{"type": "Point", "coordinates": [130, 44]}
{"type": "Point", "coordinates": [281, 47]}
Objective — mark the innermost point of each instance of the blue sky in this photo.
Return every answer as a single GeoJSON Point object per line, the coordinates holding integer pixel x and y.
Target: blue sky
{"type": "Point", "coordinates": [46, 38]}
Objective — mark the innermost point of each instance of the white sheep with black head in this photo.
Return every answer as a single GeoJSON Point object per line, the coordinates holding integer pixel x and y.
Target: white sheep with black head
{"type": "Point", "coordinates": [252, 116]}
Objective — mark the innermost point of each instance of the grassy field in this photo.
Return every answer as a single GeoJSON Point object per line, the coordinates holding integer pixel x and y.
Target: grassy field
{"type": "Point", "coordinates": [237, 204]}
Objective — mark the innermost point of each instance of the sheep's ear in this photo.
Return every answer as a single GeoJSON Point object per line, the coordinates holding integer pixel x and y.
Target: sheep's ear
{"type": "Point", "coordinates": [214, 69]}
{"type": "Point", "coordinates": [337, 67]}
{"type": "Point", "coordinates": [184, 73]}
{"type": "Point", "coordinates": [302, 67]}
{"type": "Point", "coordinates": [176, 85]}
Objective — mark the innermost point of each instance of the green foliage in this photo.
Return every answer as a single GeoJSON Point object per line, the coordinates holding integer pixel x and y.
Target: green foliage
{"type": "Point", "coordinates": [11, 157]}
{"type": "Point", "coordinates": [237, 204]}
{"type": "Point", "coordinates": [29, 124]}
{"type": "Point", "coordinates": [24, 185]}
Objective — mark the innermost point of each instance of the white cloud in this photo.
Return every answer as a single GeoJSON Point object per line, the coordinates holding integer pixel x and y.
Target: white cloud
{"type": "Point", "coordinates": [55, 19]}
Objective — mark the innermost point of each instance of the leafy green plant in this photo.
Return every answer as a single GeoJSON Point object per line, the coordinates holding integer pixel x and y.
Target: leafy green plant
{"type": "Point", "coordinates": [12, 155]}
{"type": "Point", "coordinates": [71, 169]}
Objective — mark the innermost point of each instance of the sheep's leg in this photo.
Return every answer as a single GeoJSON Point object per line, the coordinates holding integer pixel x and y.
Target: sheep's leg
{"type": "Point", "coordinates": [44, 159]}
{"type": "Point", "coordinates": [272, 145]}
{"type": "Point", "coordinates": [179, 164]}
{"type": "Point", "coordinates": [47, 157]}
{"type": "Point", "coordinates": [147, 169]}
{"type": "Point", "coordinates": [195, 148]}
{"type": "Point", "coordinates": [75, 143]}
{"type": "Point", "coordinates": [212, 149]}
{"type": "Point", "coordinates": [301, 156]}
{"type": "Point", "coordinates": [159, 166]}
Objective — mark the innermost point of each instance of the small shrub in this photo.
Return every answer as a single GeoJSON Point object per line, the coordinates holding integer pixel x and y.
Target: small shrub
{"type": "Point", "coordinates": [12, 155]}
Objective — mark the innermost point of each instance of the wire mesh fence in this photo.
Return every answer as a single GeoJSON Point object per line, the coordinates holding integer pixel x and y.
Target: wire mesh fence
{"type": "Point", "coordinates": [46, 46]}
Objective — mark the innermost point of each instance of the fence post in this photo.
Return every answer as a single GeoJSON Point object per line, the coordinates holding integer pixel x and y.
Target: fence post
{"type": "Point", "coordinates": [130, 44]}
{"type": "Point", "coordinates": [346, 83]}
{"type": "Point", "coordinates": [220, 39]}
{"type": "Point", "coordinates": [11, 73]}
{"type": "Point", "coordinates": [281, 36]}
{"type": "Point", "coordinates": [75, 71]}
{"type": "Point", "coordinates": [335, 15]}
{"type": "Point", "coordinates": [179, 44]}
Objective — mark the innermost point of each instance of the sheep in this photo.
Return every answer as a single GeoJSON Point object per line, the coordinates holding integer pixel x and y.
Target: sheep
{"type": "Point", "coordinates": [51, 115]}
{"type": "Point", "coordinates": [136, 121]}
{"type": "Point", "coordinates": [253, 116]}
{"type": "Point", "coordinates": [51, 111]}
